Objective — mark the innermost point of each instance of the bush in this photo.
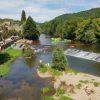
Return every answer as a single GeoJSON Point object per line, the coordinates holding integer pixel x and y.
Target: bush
{"type": "Point", "coordinates": [79, 86]}
{"type": "Point", "coordinates": [59, 59]}
{"type": "Point", "coordinates": [43, 68]}
{"type": "Point", "coordinates": [28, 52]}
{"type": "Point", "coordinates": [13, 32]}
{"type": "Point", "coordinates": [45, 89]}
{"type": "Point", "coordinates": [60, 91]}
{"type": "Point", "coordinates": [96, 84]}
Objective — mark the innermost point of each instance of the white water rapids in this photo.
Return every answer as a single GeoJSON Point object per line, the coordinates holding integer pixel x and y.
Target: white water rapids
{"type": "Point", "coordinates": [83, 54]}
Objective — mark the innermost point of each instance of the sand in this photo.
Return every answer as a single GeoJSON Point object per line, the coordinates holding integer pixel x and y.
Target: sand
{"type": "Point", "coordinates": [82, 93]}
{"type": "Point", "coordinates": [87, 91]}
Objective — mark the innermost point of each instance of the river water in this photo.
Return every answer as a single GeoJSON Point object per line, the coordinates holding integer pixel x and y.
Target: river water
{"type": "Point", "coordinates": [23, 82]}
{"type": "Point", "coordinates": [83, 65]}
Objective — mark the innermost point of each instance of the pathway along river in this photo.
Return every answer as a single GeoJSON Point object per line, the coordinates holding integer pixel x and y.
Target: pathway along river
{"type": "Point", "coordinates": [23, 82]}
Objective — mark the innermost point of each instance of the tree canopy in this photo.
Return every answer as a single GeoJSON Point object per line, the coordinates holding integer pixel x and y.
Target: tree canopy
{"type": "Point", "coordinates": [23, 17]}
{"type": "Point", "coordinates": [30, 30]}
{"type": "Point", "coordinates": [59, 60]}
{"type": "Point", "coordinates": [83, 26]}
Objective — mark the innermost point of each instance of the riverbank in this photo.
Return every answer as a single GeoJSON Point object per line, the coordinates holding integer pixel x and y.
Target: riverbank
{"type": "Point", "coordinates": [77, 86]}
{"type": "Point", "coordinates": [13, 53]}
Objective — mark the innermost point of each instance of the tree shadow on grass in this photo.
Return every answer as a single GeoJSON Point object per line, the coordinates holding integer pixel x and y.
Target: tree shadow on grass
{"type": "Point", "coordinates": [4, 57]}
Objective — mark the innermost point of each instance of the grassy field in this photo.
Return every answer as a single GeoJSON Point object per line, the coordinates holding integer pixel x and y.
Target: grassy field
{"type": "Point", "coordinates": [14, 53]}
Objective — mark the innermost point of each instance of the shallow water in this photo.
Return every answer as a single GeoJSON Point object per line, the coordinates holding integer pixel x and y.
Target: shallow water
{"type": "Point", "coordinates": [23, 82]}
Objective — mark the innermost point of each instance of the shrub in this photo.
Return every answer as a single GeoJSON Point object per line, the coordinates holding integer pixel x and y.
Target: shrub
{"type": "Point", "coordinates": [60, 91]}
{"type": "Point", "coordinates": [45, 89]}
{"type": "Point", "coordinates": [79, 86]}
{"type": "Point", "coordinates": [27, 51]}
{"type": "Point", "coordinates": [43, 68]}
{"type": "Point", "coordinates": [59, 59]}
{"type": "Point", "coordinates": [96, 84]}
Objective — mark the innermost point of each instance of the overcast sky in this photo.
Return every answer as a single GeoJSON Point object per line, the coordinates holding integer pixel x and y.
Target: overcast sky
{"type": "Point", "coordinates": [44, 10]}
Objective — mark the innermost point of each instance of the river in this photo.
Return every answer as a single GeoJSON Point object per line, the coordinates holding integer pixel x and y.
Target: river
{"type": "Point", "coordinates": [23, 82]}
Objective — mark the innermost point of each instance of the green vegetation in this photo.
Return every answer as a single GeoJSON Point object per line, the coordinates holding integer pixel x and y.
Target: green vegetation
{"type": "Point", "coordinates": [47, 98]}
{"type": "Point", "coordinates": [96, 84]}
{"type": "Point", "coordinates": [4, 67]}
{"type": "Point", "coordinates": [82, 26]}
{"type": "Point", "coordinates": [45, 89]}
{"type": "Point", "coordinates": [43, 68]}
{"type": "Point", "coordinates": [4, 57]}
{"type": "Point", "coordinates": [30, 30]}
{"type": "Point", "coordinates": [65, 98]}
{"type": "Point", "coordinates": [79, 85]}
{"type": "Point", "coordinates": [59, 60]}
{"type": "Point", "coordinates": [13, 32]}
{"type": "Point", "coordinates": [55, 72]}
{"type": "Point", "coordinates": [60, 91]}
{"type": "Point", "coordinates": [84, 81]}
{"type": "Point", "coordinates": [28, 52]}
{"type": "Point", "coordinates": [23, 17]}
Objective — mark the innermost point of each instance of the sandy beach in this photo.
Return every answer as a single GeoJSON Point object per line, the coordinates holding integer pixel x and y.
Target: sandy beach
{"type": "Point", "coordinates": [86, 91]}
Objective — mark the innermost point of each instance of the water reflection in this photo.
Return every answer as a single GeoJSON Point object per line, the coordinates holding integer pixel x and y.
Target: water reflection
{"type": "Point", "coordinates": [23, 82]}
{"type": "Point", "coordinates": [29, 62]}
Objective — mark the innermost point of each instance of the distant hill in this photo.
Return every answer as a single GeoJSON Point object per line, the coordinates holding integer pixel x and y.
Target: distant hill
{"type": "Point", "coordinates": [92, 13]}
{"type": "Point", "coordinates": [69, 25]}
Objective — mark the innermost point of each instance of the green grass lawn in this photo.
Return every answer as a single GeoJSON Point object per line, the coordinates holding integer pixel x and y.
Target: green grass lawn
{"type": "Point", "coordinates": [14, 53]}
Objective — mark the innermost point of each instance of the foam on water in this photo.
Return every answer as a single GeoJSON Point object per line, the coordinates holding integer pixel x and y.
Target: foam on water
{"type": "Point", "coordinates": [83, 54]}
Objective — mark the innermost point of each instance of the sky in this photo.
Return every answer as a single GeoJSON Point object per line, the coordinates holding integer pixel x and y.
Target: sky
{"type": "Point", "coordinates": [44, 10]}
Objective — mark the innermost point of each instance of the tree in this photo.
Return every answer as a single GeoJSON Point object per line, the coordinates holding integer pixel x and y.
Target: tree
{"type": "Point", "coordinates": [59, 60]}
{"type": "Point", "coordinates": [30, 30]}
{"type": "Point", "coordinates": [23, 17]}
{"type": "Point", "coordinates": [13, 32]}
{"type": "Point", "coordinates": [89, 37]}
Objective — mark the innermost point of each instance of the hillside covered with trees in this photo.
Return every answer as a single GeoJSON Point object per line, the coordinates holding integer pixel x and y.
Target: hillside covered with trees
{"type": "Point", "coordinates": [83, 26]}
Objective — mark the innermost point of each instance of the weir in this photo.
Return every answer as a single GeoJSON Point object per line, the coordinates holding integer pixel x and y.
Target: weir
{"type": "Point", "coordinates": [83, 54]}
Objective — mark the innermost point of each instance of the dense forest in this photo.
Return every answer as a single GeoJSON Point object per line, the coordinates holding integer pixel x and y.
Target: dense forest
{"type": "Point", "coordinates": [83, 26]}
